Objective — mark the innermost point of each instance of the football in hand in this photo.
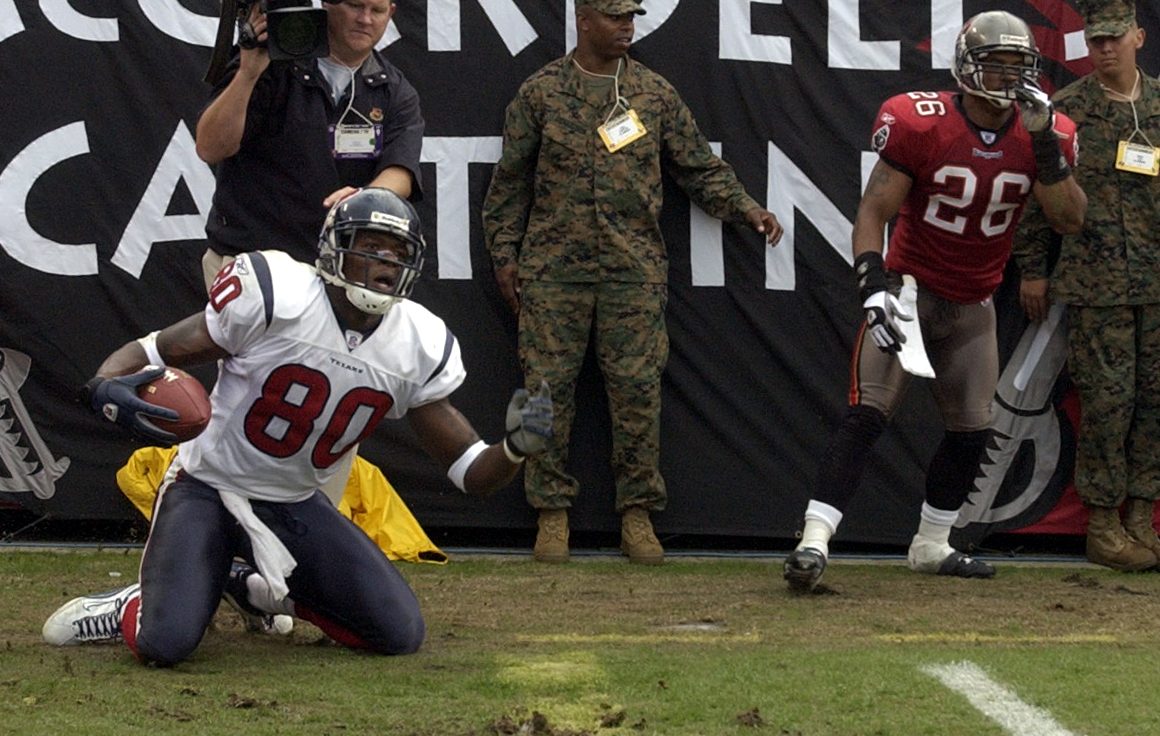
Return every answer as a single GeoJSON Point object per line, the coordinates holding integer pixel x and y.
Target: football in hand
{"type": "Point", "coordinates": [177, 390]}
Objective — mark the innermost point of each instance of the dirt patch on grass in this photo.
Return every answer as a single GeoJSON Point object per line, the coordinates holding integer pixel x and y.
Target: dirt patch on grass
{"type": "Point", "coordinates": [719, 598]}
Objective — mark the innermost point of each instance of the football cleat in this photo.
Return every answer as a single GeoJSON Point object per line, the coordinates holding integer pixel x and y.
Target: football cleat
{"type": "Point", "coordinates": [237, 595]}
{"type": "Point", "coordinates": [803, 569]}
{"type": "Point", "coordinates": [962, 566]}
{"type": "Point", "coordinates": [93, 618]}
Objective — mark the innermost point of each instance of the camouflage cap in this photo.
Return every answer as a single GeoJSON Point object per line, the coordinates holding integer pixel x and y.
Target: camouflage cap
{"type": "Point", "coordinates": [1107, 17]}
{"type": "Point", "coordinates": [613, 7]}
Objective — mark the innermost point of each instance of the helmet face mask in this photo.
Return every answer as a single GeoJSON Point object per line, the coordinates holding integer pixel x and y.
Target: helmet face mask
{"type": "Point", "coordinates": [983, 36]}
{"type": "Point", "coordinates": [340, 249]}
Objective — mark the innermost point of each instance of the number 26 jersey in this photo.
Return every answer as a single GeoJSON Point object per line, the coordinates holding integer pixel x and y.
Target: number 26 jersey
{"type": "Point", "coordinates": [953, 232]}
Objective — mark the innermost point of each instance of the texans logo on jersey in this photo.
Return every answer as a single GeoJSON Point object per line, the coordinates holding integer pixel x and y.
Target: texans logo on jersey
{"type": "Point", "coordinates": [881, 136]}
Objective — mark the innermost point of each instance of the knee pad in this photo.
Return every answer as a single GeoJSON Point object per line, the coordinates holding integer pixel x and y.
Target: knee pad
{"type": "Point", "coordinates": [864, 423]}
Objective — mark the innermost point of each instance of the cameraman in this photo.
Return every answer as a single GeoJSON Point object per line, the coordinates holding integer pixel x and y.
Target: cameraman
{"type": "Point", "coordinates": [290, 138]}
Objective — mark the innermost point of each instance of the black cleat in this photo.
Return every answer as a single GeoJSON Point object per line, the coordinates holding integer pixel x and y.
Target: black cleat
{"type": "Point", "coordinates": [803, 569]}
{"type": "Point", "coordinates": [961, 566]}
{"type": "Point", "coordinates": [237, 596]}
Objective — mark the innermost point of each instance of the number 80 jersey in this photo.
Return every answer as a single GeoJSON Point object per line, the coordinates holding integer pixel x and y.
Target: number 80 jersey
{"type": "Point", "coordinates": [953, 232]}
{"type": "Point", "coordinates": [298, 391]}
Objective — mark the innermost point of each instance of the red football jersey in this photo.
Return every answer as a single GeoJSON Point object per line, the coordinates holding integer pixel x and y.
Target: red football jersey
{"type": "Point", "coordinates": [953, 232]}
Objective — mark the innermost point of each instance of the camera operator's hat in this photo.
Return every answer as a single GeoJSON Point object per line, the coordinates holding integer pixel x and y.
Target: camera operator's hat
{"type": "Point", "coordinates": [613, 7]}
{"type": "Point", "coordinates": [1107, 17]}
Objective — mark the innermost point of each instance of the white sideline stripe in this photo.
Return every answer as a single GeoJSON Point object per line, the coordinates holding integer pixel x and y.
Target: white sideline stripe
{"type": "Point", "coordinates": [995, 701]}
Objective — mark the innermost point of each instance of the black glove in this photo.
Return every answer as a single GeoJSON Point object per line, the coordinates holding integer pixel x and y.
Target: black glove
{"type": "Point", "coordinates": [116, 400]}
{"type": "Point", "coordinates": [529, 421]}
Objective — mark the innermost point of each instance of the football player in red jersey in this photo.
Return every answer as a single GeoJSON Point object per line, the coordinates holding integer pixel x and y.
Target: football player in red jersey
{"type": "Point", "coordinates": [955, 169]}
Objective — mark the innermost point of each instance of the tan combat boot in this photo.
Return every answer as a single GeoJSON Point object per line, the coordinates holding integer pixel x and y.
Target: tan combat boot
{"type": "Point", "coordinates": [552, 539]}
{"type": "Point", "coordinates": [637, 539]}
{"type": "Point", "coordinates": [1109, 545]}
{"type": "Point", "coordinates": [1138, 515]}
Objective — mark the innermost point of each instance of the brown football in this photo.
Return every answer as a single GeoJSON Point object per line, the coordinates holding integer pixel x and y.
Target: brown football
{"type": "Point", "coordinates": [177, 390]}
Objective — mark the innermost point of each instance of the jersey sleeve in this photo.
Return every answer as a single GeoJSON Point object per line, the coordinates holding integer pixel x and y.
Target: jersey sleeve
{"type": "Point", "coordinates": [431, 357]}
{"type": "Point", "coordinates": [1065, 129]}
{"type": "Point", "coordinates": [447, 373]}
{"type": "Point", "coordinates": [241, 300]}
{"type": "Point", "coordinates": [901, 133]}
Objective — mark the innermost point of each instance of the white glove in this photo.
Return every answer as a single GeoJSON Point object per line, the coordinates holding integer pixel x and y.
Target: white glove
{"type": "Point", "coordinates": [529, 422]}
{"type": "Point", "coordinates": [1035, 107]}
{"type": "Point", "coordinates": [882, 309]}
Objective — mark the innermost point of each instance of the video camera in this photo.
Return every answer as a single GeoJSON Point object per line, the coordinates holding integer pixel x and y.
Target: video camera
{"type": "Point", "coordinates": [294, 30]}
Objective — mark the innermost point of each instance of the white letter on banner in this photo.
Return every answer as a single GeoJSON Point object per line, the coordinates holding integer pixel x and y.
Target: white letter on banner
{"type": "Point", "coordinates": [389, 37]}
{"type": "Point", "coordinates": [789, 191]}
{"type": "Point", "coordinates": [16, 234]}
{"type": "Point", "coordinates": [10, 23]}
{"type": "Point", "coordinates": [946, 20]}
{"type": "Point", "coordinates": [177, 22]}
{"type": "Point", "coordinates": [706, 255]}
{"type": "Point", "coordinates": [443, 26]}
{"type": "Point", "coordinates": [845, 46]}
{"type": "Point", "coordinates": [149, 223]}
{"type": "Point", "coordinates": [736, 39]}
{"type": "Point", "coordinates": [452, 158]}
{"type": "Point", "coordinates": [68, 21]}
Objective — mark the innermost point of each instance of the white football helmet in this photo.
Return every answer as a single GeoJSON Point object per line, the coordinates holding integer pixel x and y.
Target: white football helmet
{"type": "Point", "coordinates": [371, 209]}
{"type": "Point", "coordinates": [988, 33]}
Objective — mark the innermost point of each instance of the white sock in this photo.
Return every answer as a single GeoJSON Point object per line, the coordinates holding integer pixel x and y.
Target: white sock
{"type": "Point", "coordinates": [821, 521]}
{"type": "Point", "coordinates": [935, 524]}
{"type": "Point", "coordinates": [263, 599]}
{"type": "Point", "coordinates": [931, 546]}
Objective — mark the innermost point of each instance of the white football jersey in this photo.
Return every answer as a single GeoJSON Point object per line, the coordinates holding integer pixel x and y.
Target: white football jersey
{"type": "Point", "coordinates": [298, 391]}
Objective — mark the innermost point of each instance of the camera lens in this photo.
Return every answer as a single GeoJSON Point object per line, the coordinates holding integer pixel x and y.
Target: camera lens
{"type": "Point", "coordinates": [296, 34]}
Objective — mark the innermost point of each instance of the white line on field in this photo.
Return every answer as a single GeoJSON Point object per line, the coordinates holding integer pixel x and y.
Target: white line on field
{"type": "Point", "coordinates": [995, 701]}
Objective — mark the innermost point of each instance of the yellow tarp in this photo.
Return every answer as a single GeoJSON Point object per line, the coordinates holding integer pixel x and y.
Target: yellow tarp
{"type": "Point", "coordinates": [369, 501]}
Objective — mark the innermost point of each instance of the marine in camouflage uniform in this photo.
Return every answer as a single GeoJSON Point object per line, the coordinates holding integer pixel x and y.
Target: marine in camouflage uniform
{"type": "Point", "coordinates": [1108, 276]}
{"type": "Point", "coordinates": [580, 223]}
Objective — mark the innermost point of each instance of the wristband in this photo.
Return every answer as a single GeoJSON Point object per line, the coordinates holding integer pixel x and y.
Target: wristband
{"type": "Point", "coordinates": [512, 455]}
{"type": "Point", "coordinates": [85, 393]}
{"type": "Point", "coordinates": [870, 270]}
{"type": "Point", "coordinates": [1050, 164]}
{"type": "Point", "coordinates": [149, 343]}
{"type": "Point", "coordinates": [458, 470]}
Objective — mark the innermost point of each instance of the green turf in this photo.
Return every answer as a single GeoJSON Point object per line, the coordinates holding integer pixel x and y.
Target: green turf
{"type": "Point", "coordinates": [601, 647]}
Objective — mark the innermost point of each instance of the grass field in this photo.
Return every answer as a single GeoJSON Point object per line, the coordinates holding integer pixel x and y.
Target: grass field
{"type": "Point", "coordinates": [697, 646]}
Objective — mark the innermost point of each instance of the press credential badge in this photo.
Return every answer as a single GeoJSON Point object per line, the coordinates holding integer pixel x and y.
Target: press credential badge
{"type": "Point", "coordinates": [1138, 158]}
{"type": "Point", "coordinates": [356, 140]}
{"type": "Point", "coordinates": [621, 130]}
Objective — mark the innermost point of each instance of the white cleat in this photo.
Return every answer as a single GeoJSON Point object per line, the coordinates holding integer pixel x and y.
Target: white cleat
{"type": "Point", "coordinates": [94, 618]}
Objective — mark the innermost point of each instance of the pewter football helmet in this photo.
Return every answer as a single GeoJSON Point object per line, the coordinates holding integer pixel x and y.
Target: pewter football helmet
{"type": "Point", "coordinates": [989, 33]}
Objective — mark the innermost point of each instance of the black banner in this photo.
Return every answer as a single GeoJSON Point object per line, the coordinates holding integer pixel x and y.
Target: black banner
{"type": "Point", "coordinates": [103, 203]}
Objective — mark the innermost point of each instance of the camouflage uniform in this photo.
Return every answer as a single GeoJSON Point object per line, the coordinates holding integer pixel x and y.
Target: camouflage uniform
{"type": "Point", "coordinates": [582, 224]}
{"type": "Point", "coordinates": [1108, 275]}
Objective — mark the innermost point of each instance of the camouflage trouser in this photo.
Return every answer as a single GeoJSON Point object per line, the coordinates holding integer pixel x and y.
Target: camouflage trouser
{"type": "Point", "coordinates": [627, 323]}
{"type": "Point", "coordinates": [1115, 365]}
